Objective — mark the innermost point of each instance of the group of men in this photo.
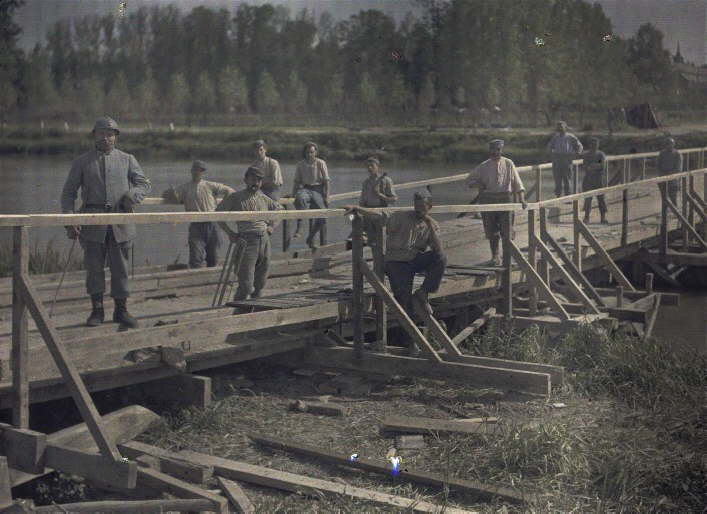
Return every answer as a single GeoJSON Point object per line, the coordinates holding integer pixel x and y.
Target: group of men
{"type": "Point", "coordinates": [112, 181]}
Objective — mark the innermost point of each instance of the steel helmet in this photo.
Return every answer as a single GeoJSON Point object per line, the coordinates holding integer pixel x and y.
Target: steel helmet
{"type": "Point", "coordinates": [106, 122]}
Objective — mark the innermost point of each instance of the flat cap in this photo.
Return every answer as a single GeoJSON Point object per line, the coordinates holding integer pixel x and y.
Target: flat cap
{"type": "Point", "coordinates": [259, 142]}
{"type": "Point", "coordinates": [422, 194]}
{"type": "Point", "coordinates": [106, 122]}
{"type": "Point", "coordinates": [255, 171]}
{"type": "Point", "coordinates": [198, 164]}
{"type": "Point", "coordinates": [497, 143]}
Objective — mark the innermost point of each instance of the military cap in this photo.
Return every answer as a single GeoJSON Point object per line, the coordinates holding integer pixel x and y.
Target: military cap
{"type": "Point", "coordinates": [255, 171]}
{"type": "Point", "coordinates": [497, 143]}
{"type": "Point", "coordinates": [374, 159]}
{"type": "Point", "coordinates": [198, 164]}
{"type": "Point", "coordinates": [106, 122]}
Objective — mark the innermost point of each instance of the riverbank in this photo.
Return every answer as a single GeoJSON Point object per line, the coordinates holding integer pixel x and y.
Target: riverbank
{"type": "Point", "coordinates": [631, 436]}
{"type": "Point", "coordinates": [443, 145]}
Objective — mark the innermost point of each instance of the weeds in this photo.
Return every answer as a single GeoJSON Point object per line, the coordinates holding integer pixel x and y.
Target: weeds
{"type": "Point", "coordinates": [48, 259]}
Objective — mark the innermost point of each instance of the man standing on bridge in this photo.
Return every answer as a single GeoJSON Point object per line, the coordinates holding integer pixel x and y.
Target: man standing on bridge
{"type": "Point", "coordinates": [498, 182]}
{"type": "Point", "coordinates": [669, 162]}
{"type": "Point", "coordinates": [272, 175]}
{"type": "Point", "coordinates": [199, 195]}
{"type": "Point", "coordinates": [564, 147]}
{"type": "Point", "coordinates": [253, 273]}
{"type": "Point", "coordinates": [110, 181]}
{"type": "Point", "coordinates": [594, 162]}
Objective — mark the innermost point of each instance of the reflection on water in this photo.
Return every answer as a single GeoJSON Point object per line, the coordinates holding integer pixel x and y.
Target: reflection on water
{"type": "Point", "coordinates": [685, 325]}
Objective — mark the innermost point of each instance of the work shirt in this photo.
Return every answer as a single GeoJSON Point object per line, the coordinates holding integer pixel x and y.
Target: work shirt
{"type": "Point", "coordinates": [272, 176]}
{"type": "Point", "coordinates": [407, 236]}
{"type": "Point", "coordinates": [369, 197]}
{"type": "Point", "coordinates": [104, 179]}
{"type": "Point", "coordinates": [669, 162]}
{"type": "Point", "coordinates": [594, 162]}
{"type": "Point", "coordinates": [311, 173]}
{"type": "Point", "coordinates": [245, 200]}
{"type": "Point", "coordinates": [564, 144]}
{"type": "Point", "coordinates": [496, 176]}
{"type": "Point", "coordinates": [201, 196]}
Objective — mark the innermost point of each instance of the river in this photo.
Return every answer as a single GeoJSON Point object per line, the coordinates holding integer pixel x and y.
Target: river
{"type": "Point", "coordinates": [33, 184]}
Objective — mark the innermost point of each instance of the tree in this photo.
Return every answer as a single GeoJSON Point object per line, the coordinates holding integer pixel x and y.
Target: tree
{"type": "Point", "coordinates": [232, 92]}
{"type": "Point", "coordinates": [647, 58]}
{"type": "Point", "coordinates": [203, 100]}
{"type": "Point", "coordinates": [178, 93]}
{"type": "Point", "coordinates": [93, 99]}
{"type": "Point", "coordinates": [119, 101]}
{"type": "Point", "coordinates": [41, 95]}
{"type": "Point", "coordinates": [267, 99]}
{"type": "Point", "coordinates": [296, 94]}
{"type": "Point", "coordinates": [146, 96]}
{"type": "Point", "coordinates": [367, 94]}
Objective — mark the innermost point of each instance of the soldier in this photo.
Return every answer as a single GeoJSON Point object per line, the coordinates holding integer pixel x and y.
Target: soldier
{"type": "Point", "coordinates": [563, 148]}
{"type": "Point", "coordinates": [311, 188]}
{"type": "Point", "coordinates": [498, 182]}
{"type": "Point", "coordinates": [199, 195]}
{"type": "Point", "coordinates": [594, 162]}
{"type": "Point", "coordinates": [377, 191]}
{"type": "Point", "coordinates": [669, 162]}
{"type": "Point", "coordinates": [272, 176]}
{"type": "Point", "coordinates": [253, 273]}
{"type": "Point", "coordinates": [110, 181]}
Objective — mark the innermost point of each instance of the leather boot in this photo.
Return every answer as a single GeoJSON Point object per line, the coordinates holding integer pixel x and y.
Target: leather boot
{"type": "Point", "coordinates": [121, 314]}
{"type": "Point", "coordinates": [97, 314]}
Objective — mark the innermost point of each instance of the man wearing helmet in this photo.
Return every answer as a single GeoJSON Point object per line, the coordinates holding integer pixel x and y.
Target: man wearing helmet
{"type": "Point", "coordinates": [110, 181]}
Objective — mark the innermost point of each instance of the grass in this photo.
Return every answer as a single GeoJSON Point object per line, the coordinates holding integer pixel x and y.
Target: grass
{"type": "Point", "coordinates": [42, 259]}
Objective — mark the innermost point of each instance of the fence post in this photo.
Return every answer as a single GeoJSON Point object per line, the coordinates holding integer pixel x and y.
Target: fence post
{"type": "Point", "coordinates": [379, 269]}
{"type": "Point", "coordinates": [543, 270]}
{"type": "Point", "coordinates": [663, 218]}
{"type": "Point", "coordinates": [643, 169]}
{"type": "Point", "coordinates": [685, 233]}
{"type": "Point", "coordinates": [577, 256]}
{"type": "Point", "coordinates": [575, 178]}
{"type": "Point", "coordinates": [538, 183]}
{"type": "Point", "coordinates": [357, 284]}
{"type": "Point", "coordinates": [532, 259]}
{"type": "Point", "coordinates": [507, 278]}
{"type": "Point", "coordinates": [20, 316]}
{"type": "Point", "coordinates": [624, 217]}
{"type": "Point", "coordinates": [286, 234]}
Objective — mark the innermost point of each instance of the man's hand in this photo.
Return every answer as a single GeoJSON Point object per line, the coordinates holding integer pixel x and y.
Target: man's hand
{"type": "Point", "coordinates": [72, 232]}
{"type": "Point", "coordinates": [351, 209]}
{"type": "Point", "coordinates": [327, 200]}
{"type": "Point", "coordinates": [270, 229]}
{"type": "Point", "coordinates": [127, 203]}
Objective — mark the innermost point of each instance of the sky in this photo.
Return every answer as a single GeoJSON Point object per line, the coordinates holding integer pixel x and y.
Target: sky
{"type": "Point", "coordinates": [683, 21]}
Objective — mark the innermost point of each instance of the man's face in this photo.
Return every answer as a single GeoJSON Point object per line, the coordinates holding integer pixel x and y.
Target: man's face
{"type": "Point", "coordinates": [422, 207]}
{"type": "Point", "coordinates": [197, 174]}
{"type": "Point", "coordinates": [496, 151]}
{"type": "Point", "coordinates": [670, 144]}
{"type": "Point", "coordinates": [253, 182]}
{"type": "Point", "coordinates": [594, 146]}
{"type": "Point", "coordinates": [561, 127]}
{"type": "Point", "coordinates": [260, 152]}
{"type": "Point", "coordinates": [372, 167]}
{"type": "Point", "coordinates": [310, 153]}
{"type": "Point", "coordinates": [104, 139]}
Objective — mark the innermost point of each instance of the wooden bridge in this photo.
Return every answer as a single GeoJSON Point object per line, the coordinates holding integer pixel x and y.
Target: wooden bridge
{"type": "Point", "coordinates": [333, 306]}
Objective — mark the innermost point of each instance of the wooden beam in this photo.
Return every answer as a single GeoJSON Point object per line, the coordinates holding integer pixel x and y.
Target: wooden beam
{"type": "Point", "coordinates": [417, 425]}
{"type": "Point", "coordinates": [481, 376]}
{"type": "Point", "coordinates": [320, 408]}
{"type": "Point", "coordinates": [650, 323]}
{"type": "Point", "coordinates": [20, 345]}
{"type": "Point", "coordinates": [604, 256]}
{"type": "Point", "coordinates": [486, 491]}
{"type": "Point", "coordinates": [686, 225]}
{"type": "Point", "coordinates": [535, 278]}
{"type": "Point", "coordinates": [119, 473]}
{"type": "Point", "coordinates": [506, 302]}
{"type": "Point", "coordinates": [379, 269]}
{"type": "Point", "coordinates": [268, 477]}
{"type": "Point", "coordinates": [183, 390]}
{"type": "Point", "coordinates": [672, 299]}
{"type": "Point", "coordinates": [658, 270]}
{"type": "Point", "coordinates": [673, 257]}
{"type": "Point", "coordinates": [158, 481]}
{"type": "Point", "coordinates": [437, 331]}
{"type": "Point", "coordinates": [68, 371]}
{"type": "Point", "coordinates": [24, 448]}
{"type": "Point", "coordinates": [194, 473]}
{"type": "Point", "coordinates": [141, 506]}
{"type": "Point", "coordinates": [627, 314]}
{"type": "Point", "coordinates": [5, 489]}
{"type": "Point", "coordinates": [236, 495]}
{"type": "Point", "coordinates": [357, 282]}
{"type": "Point", "coordinates": [399, 313]}
{"type": "Point", "coordinates": [475, 325]}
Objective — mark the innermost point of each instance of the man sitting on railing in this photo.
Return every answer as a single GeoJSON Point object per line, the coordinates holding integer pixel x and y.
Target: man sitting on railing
{"type": "Point", "coordinates": [376, 191]}
{"type": "Point", "coordinates": [594, 162]}
{"type": "Point", "coordinates": [110, 181]}
{"type": "Point", "coordinates": [498, 181]}
{"type": "Point", "coordinates": [310, 188]}
{"type": "Point", "coordinates": [253, 273]}
{"type": "Point", "coordinates": [272, 175]}
{"type": "Point", "coordinates": [669, 162]}
{"type": "Point", "coordinates": [564, 147]}
{"type": "Point", "coordinates": [199, 195]}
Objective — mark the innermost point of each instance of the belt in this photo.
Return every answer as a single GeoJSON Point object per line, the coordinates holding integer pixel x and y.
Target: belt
{"type": "Point", "coordinates": [106, 207]}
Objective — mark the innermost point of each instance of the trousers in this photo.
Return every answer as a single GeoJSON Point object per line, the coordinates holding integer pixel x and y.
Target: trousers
{"type": "Point", "coordinates": [253, 273]}
{"type": "Point", "coordinates": [561, 172]}
{"type": "Point", "coordinates": [203, 244]}
{"type": "Point", "coordinates": [402, 273]}
{"type": "Point", "coordinates": [94, 259]}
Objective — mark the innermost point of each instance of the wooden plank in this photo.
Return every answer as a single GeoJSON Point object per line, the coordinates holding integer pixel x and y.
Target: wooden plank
{"type": "Point", "coordinates": [534, 277]}
{"type": "Point", "coordinates": [475, 325]}
{"type": "Point", "coordinates": [506, 302]}
{"type": "Point", "coordinates": [236, 495]}
{"type": "Point", "coordinates": [183, 390]}
{"type": "Point", "coordinates": [99, 468]}
{"type": "Point", "coordinates": [628, 314]}
{"type": "Point", "coordinates": [532, 260]}
{"type": "Point", "coordinates": [481, 376]}
{"type": "Point", "coordinates": [399, 313]}
{"type": "Point", "coordinates": [20, 316]}
{"type": "Point", "coordinates": [24, 448]}
{"type": "Point", "coordinates": [658, 270]}
{"type": "Point", "coordinates": [680, 258]}
{"type": "Point", "coordinates": [416, 425]}
{"type": "Point", "coordinates": [624, 217]}
{"type": "Point", "coordinates": [686, 225]}
{"type": "Point", "coordinates": [158, 481]}
{"type": "Point", "coordinates": [604, 256]}
{"type": "Point", "coordinates": [301, 484]}
{"type": "Point", "coordinates": [437, 331]}
{"type": "Point", "coordinates": [379, 269]}
{"type": "Point", "coordinates": [486, 491]}
{"type": "Point", "coordinates": [556, 373]}
{"type": "Point", "coordinates": [320, 408]}
{"type": "Point", "coordinates": [577, 252]}
{"type": "Point", "coordinates": [5, 489]}
{"type": "Point", "coordinates": [131, 506]}
{"type": "Point", "coordinates": [650, 324]}
{"type": "Point", "coordinates": [194, 473]}
{"type": "Point", "coordinates": [68, 371]}
{"type": "Point", "coordinates": [357, 282]}
{"type": "Point", "coordinates": [672, 299]}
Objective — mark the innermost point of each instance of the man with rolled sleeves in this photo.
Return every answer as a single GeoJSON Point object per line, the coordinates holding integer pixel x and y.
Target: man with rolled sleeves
{"type": "Point", "coordinates": [669, 162]}
{"type": "Point", "coordinates": [564, 147]}
{"type": "Point", "coordinates": [272, 175]}
{"type": "Point", "coordinates": [110, 181]}
{"type": "Point", "coordinates": [498, 182]}
{"type": "Point", "coordinates": [594, 161]}
{"type": "Point", "coordinates": [200, 195]}
{"type": "Point", "coordinates": [376, 191]}
{"type": "Point", "coordinates": [253, 273]}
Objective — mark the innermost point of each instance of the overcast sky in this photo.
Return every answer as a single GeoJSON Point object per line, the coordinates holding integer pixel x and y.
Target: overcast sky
{"type": "Point", "coordinates": [680, 20]}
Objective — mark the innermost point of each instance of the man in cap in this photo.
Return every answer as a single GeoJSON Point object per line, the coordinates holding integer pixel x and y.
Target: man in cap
{"type": "Point", "coordinates": [110, 181]}
{"type": "Point", "coordinates": [376, 191]}
{"type": "Point", "coordinates": [669, 162]}
{"type": "Point", "coordinates": [253, 273]}
{"type": "Point", "coordinates": [498, 182]}
{"type": "Point", "coordinates": [564, 147]}
{"type": "Point", "coordinates": [272, 176]}
{"type": "Point", "coordinates": [199, 195]}
{"type": "Point", "coordinates": [594, 162]}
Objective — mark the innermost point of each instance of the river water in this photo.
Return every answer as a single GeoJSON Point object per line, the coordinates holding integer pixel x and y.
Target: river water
{"type": "Point", "coordinates": [33, 185]}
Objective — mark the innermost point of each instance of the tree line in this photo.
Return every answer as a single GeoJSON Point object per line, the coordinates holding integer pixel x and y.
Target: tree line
{"type": "Point", "coordinates": [518, 61]}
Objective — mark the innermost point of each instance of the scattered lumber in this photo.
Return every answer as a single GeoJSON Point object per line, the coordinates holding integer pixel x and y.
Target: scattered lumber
{"type": "Point", "coordinates": [326, 409]}
{"type": "Point", "coordinates": [414, 425]}
{"type": "Point", "coordinates": [163, 483]}
{"type": "Point", "coordinates": [479, 489]}
{"type": "Point", "coordinates": [236, 495]}
{"type": "Point", "coordinates": [143, 506]}
{"type": "Point", "coordinates": [98, 468]}
{"type": "Point", "coordinates": [475, 325]}
{"type": "Point", "coordinates": [186, 471]}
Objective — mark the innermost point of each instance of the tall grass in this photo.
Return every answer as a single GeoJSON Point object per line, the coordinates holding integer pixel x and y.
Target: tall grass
{"type": "Point", "coordinates": [42, 259]}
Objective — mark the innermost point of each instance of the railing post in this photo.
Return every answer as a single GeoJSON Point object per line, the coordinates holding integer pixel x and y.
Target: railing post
{"type": "Point", "coordinates": [624, 217]}
{"type": "Point", "coordinates": [577, 256]}
{"type": "Point", "coordinates": [285, 234]}
{"type": "Point", "coordinates": [357, 284]}
{"type": "Point", "coordinates": [20, 316]}
{"type": "Point", "coordinates": [685, 233]}
{"type": "Point", "coordinates": [543, 270]}
{"type": "Point", "coordinates": [379, 269]}
{"type": "Point", "coordinates": [323, 233]}
{"type": "Point", "coordinates": [663, 218]}
{"type": "Point", "coordinates": [619, 297]}
{"type": "Point", "coordinates": [532, 259]}
{"type": "Point", "coordinates": [575, 178]}
{"type": "Point", "coordinates": [539, 184]}
{"type": "Point", "coordinates": [643, 169]}
{"type": "Point", "coordinates": [507, 278]}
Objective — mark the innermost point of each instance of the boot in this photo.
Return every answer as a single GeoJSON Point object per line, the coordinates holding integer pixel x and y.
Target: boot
{"type": "Point", "coordinates": [121, 314]}
{"type": "Point", "coordinates": [97, 313]}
